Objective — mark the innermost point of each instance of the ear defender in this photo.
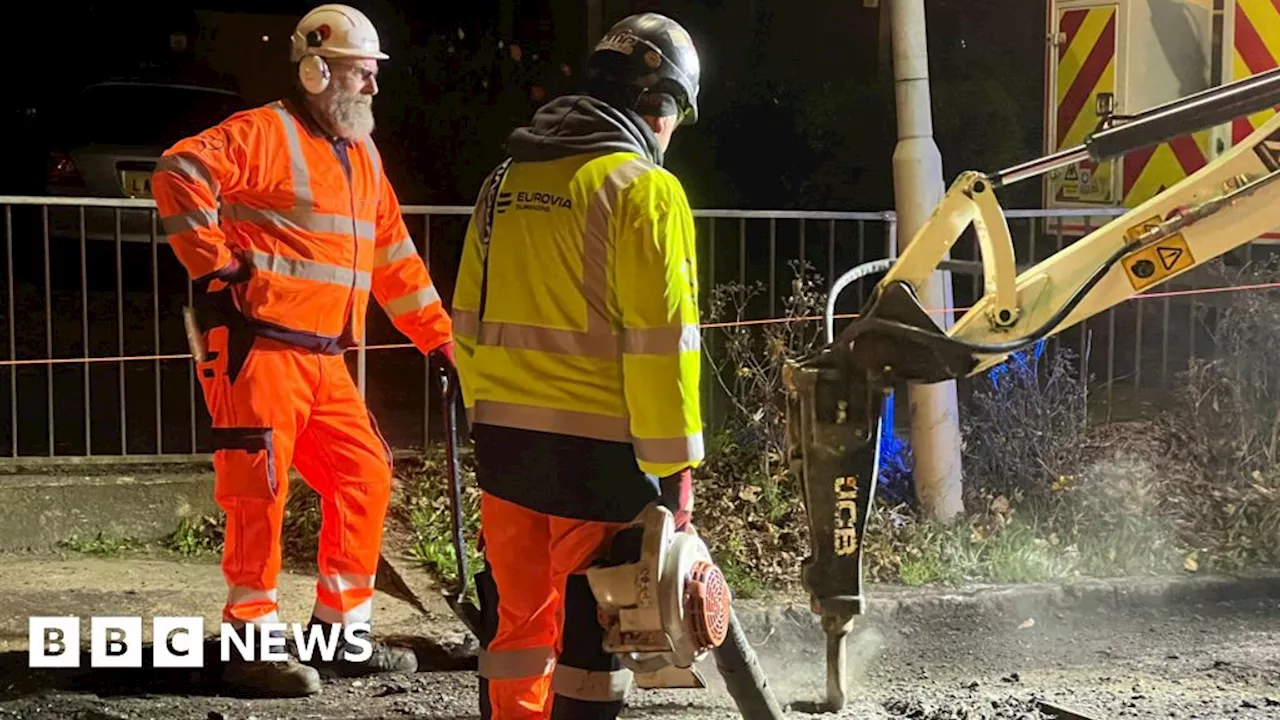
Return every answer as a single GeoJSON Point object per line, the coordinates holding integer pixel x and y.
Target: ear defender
{"type": "Point", "coordinates": [313, 73]}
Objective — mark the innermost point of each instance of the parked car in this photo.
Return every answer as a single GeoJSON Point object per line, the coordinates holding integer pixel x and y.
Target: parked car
{"type": "Point", "coordinates": [106, 141]}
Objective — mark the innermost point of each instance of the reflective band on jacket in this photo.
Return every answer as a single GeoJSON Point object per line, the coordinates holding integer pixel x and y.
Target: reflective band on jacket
{"type": "Point", "coordinates": [316, 222]}
{"type": "Point", "coordinates": [300, 220]}
{"type": "Point", "coordinates": [391, 253]}
{"type": "Point", "coordinates": [190, 167]}
{"type": "Point", "coordinates": [591, 685]}
{"type": "Point", "coordinates": [413, 302]}
{"type": "Point", "coordinates": [311, 270]}
{"type": "Point", "coordinates": [635, 342]}
{"type": "Point", "coordinates": [189, 221]}
{"type": "Point", "coordinates": [599, 343]}
{"type": "Point", "coordinates": [589, 425]}
{"type": "Point", "coordinates": [304, 216]}
{"type": "Point", "coordinates": [516, 664]}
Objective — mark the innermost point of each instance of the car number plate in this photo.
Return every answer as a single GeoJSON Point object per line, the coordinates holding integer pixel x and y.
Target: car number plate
{"type": "Point", "coordinates": [136, 184]}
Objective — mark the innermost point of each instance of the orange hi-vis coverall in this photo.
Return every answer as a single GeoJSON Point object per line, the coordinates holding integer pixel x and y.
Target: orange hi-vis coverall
{"type": "Point", "coordinates": [313, 226]}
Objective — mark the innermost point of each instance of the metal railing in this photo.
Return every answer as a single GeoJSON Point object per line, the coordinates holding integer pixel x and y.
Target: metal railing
{"type": "Point", "coordinates": [97, 363]}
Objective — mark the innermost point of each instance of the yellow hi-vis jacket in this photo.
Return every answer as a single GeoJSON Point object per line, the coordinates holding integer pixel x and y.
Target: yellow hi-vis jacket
{"type": "Point", "coordinates": [590, 325]}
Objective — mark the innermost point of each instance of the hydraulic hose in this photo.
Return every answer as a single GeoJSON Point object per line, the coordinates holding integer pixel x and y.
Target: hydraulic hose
{"type": "Point", "coordinates": [844, 281]}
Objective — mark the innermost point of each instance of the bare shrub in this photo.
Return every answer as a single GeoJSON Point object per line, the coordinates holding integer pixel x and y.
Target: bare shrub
{"type": "Point", "coordinates": [1023, 426]}
{"type": "Point", "coordinates": [1231, 425]}
{"type": "Point", "coordinates": [752, 354]}
{"type": "Point", "coordinates": [749, 507]}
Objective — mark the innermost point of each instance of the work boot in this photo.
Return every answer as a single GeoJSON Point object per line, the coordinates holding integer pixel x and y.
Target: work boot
{"type": "Point", "coordinates": [272, 678]}
{"type": "Point", "coordinates": [384, 658]}
{"type": "Point", "coordinates": [286, 678]}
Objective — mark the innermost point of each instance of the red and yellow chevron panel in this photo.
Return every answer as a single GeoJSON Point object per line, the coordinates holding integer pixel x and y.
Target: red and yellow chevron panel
{"type": "Point", "coordinates": [1256, 47]}
{"type": "Point", "coordinates": [1151, 170]}
{"type": "Point", "coordinates": [1086, 68]}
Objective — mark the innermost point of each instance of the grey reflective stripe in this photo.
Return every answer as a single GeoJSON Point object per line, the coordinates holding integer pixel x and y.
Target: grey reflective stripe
{"type": "Point", "coordinates": [310, 270]}
{"type": "Point", "coordinates": [661, 341]}
{"type": "Point", "coordinates": [238, 594]}
{"type": "Point", "coordinates": [392, 253]}
{"type": "Point", "coordinates": [590, 425]}
{"type": "Point", "coordinates": [304, 199]}
{"type": "Point", "coordinates": [466, 322]}
{"type": "Point", "coordinates": [412, 302]}
{"type": "Point", "coordinates": [341, 582]}
{"type": "Point", "coordinates": [361, 613]}
{"type": "Point", "coordinates": [190, 167]}
{"type": "Point", "coordinates": [270, 618]}
{"type": "Point", "coordinates": [590, 685]}
{"type": "Point", "coordinates": [303, 215]}
{"type": "Point", "coordinates": [516, 664]}
{"type": "Point", "coordinates": [514, 336]}
{"type": "Point", "coordinates": [595, 243]}
{"type": "Point", "coordinates": [299, 220]}
{"type": "Point", "coordinates": [377, 166]}
{"type": "Point", "coordinates": [669, 450]}
{"type": "Point", "coordinates": [649, 341]}
{"type": "Point", "coordinates": [189, 221]}
{"type": "Point", "coordinates": [573, 422]}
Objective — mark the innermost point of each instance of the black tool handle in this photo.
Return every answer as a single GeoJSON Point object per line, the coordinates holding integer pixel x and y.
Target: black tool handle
{"type": "Point", "coordinates": [448, 401]}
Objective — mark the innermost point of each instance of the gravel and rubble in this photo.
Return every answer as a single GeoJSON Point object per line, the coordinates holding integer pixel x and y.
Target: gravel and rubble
{"type": "Point", "coordinates": [1193, 662]}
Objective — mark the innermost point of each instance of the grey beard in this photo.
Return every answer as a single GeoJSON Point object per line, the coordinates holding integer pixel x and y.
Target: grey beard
{"type": "Point", "coordinates": [349, 115]}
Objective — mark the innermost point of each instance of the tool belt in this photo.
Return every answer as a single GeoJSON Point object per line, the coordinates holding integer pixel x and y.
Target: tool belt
{"type": "Point", "coordinates": [210, 310]}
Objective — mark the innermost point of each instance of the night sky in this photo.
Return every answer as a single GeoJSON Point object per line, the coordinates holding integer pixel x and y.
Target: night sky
{"type": "Point", "coordinates": [802, 88]}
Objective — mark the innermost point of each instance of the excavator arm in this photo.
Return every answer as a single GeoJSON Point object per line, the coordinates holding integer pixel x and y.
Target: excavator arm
{"type": "Point", "coordinates": [835, 398]}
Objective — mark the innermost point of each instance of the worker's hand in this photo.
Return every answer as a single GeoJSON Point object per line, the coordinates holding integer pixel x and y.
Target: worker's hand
{"type": "Point", "coordinates": [446, 351]}
{"type": "Point", "coordinates": [677, 496]}
{"type": "Point", "coordinates": [236, 271]}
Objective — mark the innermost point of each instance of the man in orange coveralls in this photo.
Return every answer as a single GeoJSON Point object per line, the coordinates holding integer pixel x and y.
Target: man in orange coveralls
{"type": "Point", "coordinates": [286, 221]}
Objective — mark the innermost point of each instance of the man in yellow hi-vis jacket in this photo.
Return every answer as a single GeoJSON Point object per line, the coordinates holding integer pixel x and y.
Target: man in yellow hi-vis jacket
{"type": "Point", "coordinates": [576, 325]}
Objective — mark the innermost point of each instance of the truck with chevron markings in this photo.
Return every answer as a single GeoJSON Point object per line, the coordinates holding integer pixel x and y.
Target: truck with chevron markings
{"type": "Point", "coordinates": [1118, 57]}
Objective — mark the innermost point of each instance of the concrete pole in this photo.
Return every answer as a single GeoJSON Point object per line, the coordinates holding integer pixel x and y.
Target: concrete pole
{"type": "Point", "coordinates": [917, 189]}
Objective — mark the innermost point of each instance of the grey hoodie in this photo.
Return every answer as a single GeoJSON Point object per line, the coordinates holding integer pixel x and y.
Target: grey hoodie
{"type": "Point", "coordinates": [577, 124]}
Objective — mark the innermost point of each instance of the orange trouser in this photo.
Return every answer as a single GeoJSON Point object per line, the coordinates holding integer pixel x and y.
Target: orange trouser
{"type": "Point", "coordinates": [529, 668]}
{"type": "Point", "coordinates": [274, 406]}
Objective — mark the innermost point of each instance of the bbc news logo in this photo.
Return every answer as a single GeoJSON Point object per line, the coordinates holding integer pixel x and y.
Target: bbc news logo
{"type": "Point", "coordinates": [179, 642]}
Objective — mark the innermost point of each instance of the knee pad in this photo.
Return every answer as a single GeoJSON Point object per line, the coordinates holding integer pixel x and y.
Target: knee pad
{"type": "Point", "coordinates": [589, 682]}
{"type": "Point", "coordinates": [662, 601]}
{"type": "Point", "coordinates": [487, 593]}
{"type": "Point", "coordinates": [584, 635]}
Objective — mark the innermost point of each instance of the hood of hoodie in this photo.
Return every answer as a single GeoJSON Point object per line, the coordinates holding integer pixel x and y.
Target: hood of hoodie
{"type": "Point", "coordinates": [577, 124]}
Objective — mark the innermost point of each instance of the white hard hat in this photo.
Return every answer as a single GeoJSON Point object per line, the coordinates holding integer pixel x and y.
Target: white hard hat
{"type": "Point", "coordinates": [334, 31]}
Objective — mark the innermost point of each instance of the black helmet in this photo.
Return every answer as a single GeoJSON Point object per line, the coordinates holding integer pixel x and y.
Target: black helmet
{"type": "Point", "coordinates": [652, 52]}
